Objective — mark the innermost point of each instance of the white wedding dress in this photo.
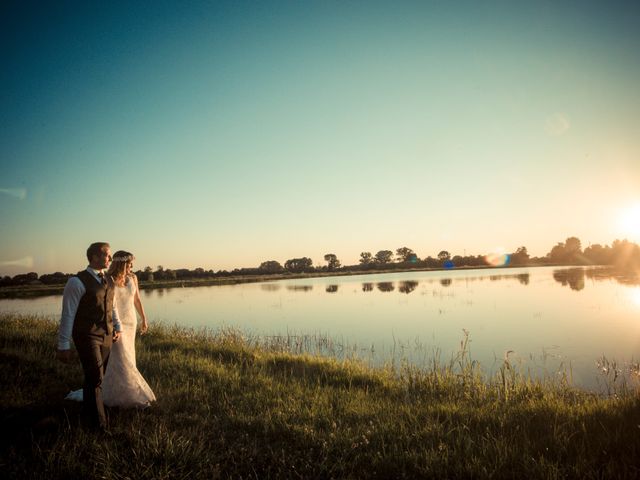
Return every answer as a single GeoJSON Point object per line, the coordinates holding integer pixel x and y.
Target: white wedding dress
{"type": "Point", "coordinates": [123, 385]}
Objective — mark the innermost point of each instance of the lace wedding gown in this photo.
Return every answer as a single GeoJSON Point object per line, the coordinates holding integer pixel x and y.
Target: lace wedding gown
{"type": "Point", "coordinates": [123, 385]}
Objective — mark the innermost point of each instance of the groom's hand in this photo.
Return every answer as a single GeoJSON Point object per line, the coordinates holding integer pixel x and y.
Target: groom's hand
{"type": "Point", "coordinates": [65, 356]}
{"type": "Point", "coordinates": [116, 336]}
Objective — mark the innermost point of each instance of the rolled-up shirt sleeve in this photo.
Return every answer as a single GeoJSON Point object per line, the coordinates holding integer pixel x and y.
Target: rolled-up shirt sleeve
{"type": "Point", "coordinates": [73, 292]}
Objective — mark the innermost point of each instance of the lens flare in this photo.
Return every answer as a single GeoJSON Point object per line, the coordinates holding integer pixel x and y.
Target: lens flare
{"type": "Point", "coordinates": [497, 259]}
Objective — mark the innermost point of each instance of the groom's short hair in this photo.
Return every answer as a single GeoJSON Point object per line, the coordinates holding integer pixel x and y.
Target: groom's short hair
{"type": "Point", "coordinates": [95, 249]}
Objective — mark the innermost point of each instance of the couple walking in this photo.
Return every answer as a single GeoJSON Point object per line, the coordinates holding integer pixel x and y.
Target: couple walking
{"type": "Point", "coordinates": [99, 314]}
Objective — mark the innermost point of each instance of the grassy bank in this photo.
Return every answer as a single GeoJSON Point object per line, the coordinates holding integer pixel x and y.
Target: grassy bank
{"type": "Point", "coordinates": [232, 407]}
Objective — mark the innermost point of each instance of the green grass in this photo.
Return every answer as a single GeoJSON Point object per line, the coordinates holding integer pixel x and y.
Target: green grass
{"type": "Point", "coordinates": [232, 406]}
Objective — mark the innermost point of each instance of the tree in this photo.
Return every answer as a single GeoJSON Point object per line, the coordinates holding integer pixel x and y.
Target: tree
{"type": "Point", "coordinates": [625, 253]}
{"type": "Point", "coordinates": [366, 258]}
{"type": "Point", "coordinates": [573, 250]}
{"type": "Point", "coordinates": [568, 252]}
{"type": "Point", "coordinates": [271, 266]}
{"type": "Point", "coordinates": [332, 261]}
{"type": "Point", "coordinates": [597, 254]}
{"type": "Point", "coordinates": [170, 274]}
{"type": "Point", "coordinates": [24, 278]}
{"type": "Point", "coordinates": [199, 272]}
{"type": "Point", "coordinates": [298, 264]}
{"type": "Point", "coordinates": [443, 256]}
{"type": "Point", "coordinates": [159, 273]}
{"type": "Point", "coordinates": [148, 274]}
{"type": "Point", "coordinates": [520, 257]}
{"type": "Point", "coordinates": [383, 257]}
{"type": "Point", "coordinates": [431, 262]}
{"type": "Point", "coordinates": [557, 253]}
{"type": "Point", "coordinates": [405, 254]}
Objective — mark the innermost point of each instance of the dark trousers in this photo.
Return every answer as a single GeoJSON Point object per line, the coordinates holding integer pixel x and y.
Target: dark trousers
{"type": "Point", "coordinates": [93, 351]}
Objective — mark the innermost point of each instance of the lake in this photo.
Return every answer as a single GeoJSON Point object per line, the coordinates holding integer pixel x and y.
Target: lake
{"type": "Point", "coordinates": [550, 319]}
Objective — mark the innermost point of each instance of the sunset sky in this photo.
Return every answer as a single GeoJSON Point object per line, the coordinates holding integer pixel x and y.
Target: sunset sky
{"type": "Point", "coordinates": [223, 134]}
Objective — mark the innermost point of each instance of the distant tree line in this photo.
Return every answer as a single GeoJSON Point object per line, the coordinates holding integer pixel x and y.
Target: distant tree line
{"type": "Point", "coordinates": [621, 253]}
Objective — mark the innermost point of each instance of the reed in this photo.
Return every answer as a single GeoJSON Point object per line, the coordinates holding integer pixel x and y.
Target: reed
{"type": "Point", "coordinates": [236, 405]}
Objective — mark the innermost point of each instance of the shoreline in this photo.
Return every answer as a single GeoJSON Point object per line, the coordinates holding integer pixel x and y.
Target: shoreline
{"type": "Point", "coordinates": [29, 291]}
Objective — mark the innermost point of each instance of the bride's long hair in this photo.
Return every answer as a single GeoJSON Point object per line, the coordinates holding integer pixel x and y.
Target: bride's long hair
{"type": "Point", "coordinates": [118, 268]}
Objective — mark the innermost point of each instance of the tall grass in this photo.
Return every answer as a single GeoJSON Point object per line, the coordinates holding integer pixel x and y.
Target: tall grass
{"type": "Point", "coordinates": [231, 405]}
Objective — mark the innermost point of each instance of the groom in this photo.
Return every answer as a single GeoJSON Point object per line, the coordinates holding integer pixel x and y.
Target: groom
{"type": "Point", "coordinates": [90, 317]}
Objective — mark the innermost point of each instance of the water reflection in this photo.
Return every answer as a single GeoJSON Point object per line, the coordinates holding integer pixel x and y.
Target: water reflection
{"type": "Point", "coordinates": [531, 311]}
{"type": "Point", "coordinates": [625, 277]}
{"type": "Point", "coordinates": [300, 288]}
{"type": "Point", "coordinates": [574, 277]}
{"type": "Point", "coordinates": [407, 286]}
{"type": "Point", "coordinates": [386, 286]}
{"type": "Point", "coordinates": [523, 278]}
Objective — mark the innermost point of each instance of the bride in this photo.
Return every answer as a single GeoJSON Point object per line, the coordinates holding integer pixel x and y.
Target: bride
{"type": "Point", "coordinates": [123, 385]}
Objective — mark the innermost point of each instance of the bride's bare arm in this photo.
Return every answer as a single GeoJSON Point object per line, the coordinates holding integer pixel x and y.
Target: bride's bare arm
{"type": "Point", "coordinates": [139, 308]}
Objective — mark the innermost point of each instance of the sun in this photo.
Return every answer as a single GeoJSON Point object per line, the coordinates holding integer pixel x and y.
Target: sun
{"type": "Point", "coordinates": [629, 222]}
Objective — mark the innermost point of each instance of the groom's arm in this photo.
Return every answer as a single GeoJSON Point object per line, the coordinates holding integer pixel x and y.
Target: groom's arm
{"type": "Point", "coordinates": [73, 292]}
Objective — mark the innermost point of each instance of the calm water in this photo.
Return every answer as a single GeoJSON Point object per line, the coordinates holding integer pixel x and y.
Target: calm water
{"type": "Point", "coordinates": [550, 318]}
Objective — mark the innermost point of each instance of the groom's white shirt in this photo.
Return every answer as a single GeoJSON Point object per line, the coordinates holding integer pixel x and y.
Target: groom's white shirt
{"type": "Point", "coordinates": [73, 292]}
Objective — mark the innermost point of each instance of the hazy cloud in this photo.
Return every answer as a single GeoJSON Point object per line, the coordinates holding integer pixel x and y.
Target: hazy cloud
{"type": "Point", "coordinates": [20, 193]}
{"type": "Point", "coordinates": [557, 124]}
{"type": "Point", "coordinates": [22, 262]}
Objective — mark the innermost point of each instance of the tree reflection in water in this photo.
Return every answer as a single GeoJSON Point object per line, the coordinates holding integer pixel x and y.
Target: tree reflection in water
{"type": "Point", "coordinates": [407, 286]}
{"type": "Point", "coordinates": [620, 275]}
{"type": "Point", "coordinates": [386, 286]}
{"type": "Point", "coordinates": [574, 277]}
{"type": "Point", "coordinates": [367, 287]}
{"type": "Point", "coordinates": [300, 288]}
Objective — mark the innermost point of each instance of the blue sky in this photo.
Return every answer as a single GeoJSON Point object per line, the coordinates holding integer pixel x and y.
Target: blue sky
{"type": "Point", "coordinates": [221, 134]}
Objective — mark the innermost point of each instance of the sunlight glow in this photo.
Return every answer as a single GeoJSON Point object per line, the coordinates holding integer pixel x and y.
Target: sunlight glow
{"type": "Point", "coordinates": [629, 222]}
{"type": "Point", "coordinates": [635, 296]}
